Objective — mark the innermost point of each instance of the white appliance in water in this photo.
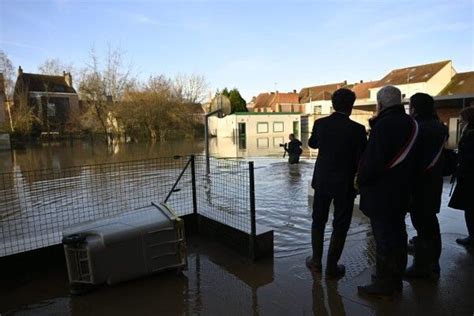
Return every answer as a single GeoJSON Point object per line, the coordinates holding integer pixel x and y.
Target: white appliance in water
{"type": "Point", "coordinates": [124, 247]}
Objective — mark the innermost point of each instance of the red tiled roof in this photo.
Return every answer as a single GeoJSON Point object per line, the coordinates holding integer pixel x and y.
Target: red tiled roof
{"type": "Point", "coordinates": [323, 92]}
{"type": "Point", "coordinates": [361, 90]}
{"type": "Point", "coordinates": [461, 83]}
{"type": "Point", "coordinates": [263, 100]}
{"type": "Point", "coordinates": [279, 98]}
{"type": "Point", "coordinates": [421, 73]}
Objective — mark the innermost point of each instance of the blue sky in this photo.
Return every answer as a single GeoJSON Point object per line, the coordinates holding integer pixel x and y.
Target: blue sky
{"type": "Point", "coordinates": [256, 46]}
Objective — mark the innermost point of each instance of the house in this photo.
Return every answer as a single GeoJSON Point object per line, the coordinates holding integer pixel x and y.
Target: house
{"type": "Point", "coordinates": [256, 131]}
{"type": "Point", "coordinates": [364, 106]}
{"type": "Point", "coordinates": [276, 102]}
{"type": "Point", "coordinates": [316, 100]}
{"type": "Point", "coordinates": [458, 94]}
{"type": "Point", "coordinates": [53, 99]}
{"type": "Point", "coordinates": [429, 78]}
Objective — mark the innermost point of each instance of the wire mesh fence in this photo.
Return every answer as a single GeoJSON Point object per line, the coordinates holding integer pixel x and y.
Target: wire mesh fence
{"type": "Point", "coordinates": [35, 205]}
{"type": "Point", "coordinates": [223, 194]}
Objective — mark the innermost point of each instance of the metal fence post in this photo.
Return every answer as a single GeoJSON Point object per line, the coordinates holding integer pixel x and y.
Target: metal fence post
{"type": "Point", "coordinates": [253, 224]}
{"type": "Point", "coordinates": [193, 181]}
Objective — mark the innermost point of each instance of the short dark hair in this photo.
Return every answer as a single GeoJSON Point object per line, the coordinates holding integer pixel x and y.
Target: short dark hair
{"type": "Point", "coordinates": [343, 100]}
{"type": "Point", "coordinates": [422, 104]}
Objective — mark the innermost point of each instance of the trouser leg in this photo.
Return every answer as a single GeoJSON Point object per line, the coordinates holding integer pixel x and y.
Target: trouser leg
{"type": "Point", "coordinates": [321, 206]}
{"type": "Point", "coordinates": [391, 242]}
{"type": "Point", "coordinates": [427, 245]}
{"type": "Point", "coordinates": [343, 207]}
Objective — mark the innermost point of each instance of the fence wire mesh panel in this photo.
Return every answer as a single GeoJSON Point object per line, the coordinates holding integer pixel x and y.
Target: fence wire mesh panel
{"type": "Point", "coordinates": [36, 205]}
{"type": "Point", "coordinates": [223, 194]}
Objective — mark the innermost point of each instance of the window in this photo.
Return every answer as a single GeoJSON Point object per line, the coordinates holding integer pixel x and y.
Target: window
{"type": "Point", "coordinates": [277, 141]}
{"type": "Point", "coordinates": [262, 142]}
{"type": "Point", "coordinates": [278, 127]}
{"type": "Point", "coordinates": [262, 127]}
{"type": "Point", "coordinates": [317, 110]}
{"type": "Point", "coordinates": [51, 110]}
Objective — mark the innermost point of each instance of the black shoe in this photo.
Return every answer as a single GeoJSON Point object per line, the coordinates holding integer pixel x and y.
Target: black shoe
{"type": "Point", "coordinates": [468, 241]}
{"type": "Point", "coordinates": [335, 272]}
{"type": "Point", "coordinates": [313, 265]}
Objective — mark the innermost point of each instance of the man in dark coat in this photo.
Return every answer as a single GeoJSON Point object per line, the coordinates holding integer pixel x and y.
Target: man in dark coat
{"type": "Point", "coordinates": [428, 187]}
{"type": "Point", "coordinates": [462, 198]}
{"type": "Point", "coordinates": [293, 149]}
{"type": "Point", "coordinates": [341, 142]}
{"type": "Point", "coordinates": [385, 178]}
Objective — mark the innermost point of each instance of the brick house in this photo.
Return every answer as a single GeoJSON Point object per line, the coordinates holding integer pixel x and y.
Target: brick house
{"type": "Point", "coordinates": [277, 102]}
{"type": "Point", "coordinates": [53, 99]}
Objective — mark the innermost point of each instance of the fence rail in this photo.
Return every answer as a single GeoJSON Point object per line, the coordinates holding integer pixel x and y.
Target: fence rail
{"type": "Point", "coordinates": [35, 205]}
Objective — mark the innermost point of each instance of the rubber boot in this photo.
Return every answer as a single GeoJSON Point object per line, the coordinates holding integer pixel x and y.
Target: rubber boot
{"type": "Point", "coordinates": [382, 284]}
{"type": "Point", "coordinates": [317, 242]}
{"type": "Point", "coordinates": [398, 265]}
{"type": "Point", "coordinates": [333, 269]}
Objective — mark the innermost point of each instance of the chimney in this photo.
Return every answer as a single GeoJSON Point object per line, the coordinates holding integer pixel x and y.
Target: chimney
{"type": "Point", "coordinates": [68, 78]}
{"type": "Point", "coordinates": [20, 71]}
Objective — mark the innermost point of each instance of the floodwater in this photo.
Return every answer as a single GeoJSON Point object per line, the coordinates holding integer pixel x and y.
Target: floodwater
{"type": "Point", "coordinates": [219, 281]}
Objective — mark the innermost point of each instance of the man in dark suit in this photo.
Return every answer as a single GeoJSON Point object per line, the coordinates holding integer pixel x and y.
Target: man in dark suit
{"type": "Point", "coordinates": [340, 142]}
{"type": "Point", "coordinates": [386, 175]}
{"type": "Point", "coordinates": [426, 199]}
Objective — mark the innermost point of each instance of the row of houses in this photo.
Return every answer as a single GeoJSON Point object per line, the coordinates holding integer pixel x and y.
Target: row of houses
{"type": "Point", "coordinates": [451, 90]}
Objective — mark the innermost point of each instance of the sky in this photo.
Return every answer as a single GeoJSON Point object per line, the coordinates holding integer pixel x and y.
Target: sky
{"type": "Point", "coordinates": [255, 46]}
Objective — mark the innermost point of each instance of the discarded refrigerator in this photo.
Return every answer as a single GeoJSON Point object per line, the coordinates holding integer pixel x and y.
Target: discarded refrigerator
{"type": "Point", "coordinates": [124, 247]}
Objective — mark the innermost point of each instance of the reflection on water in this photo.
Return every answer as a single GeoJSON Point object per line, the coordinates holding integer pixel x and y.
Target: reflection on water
{"type": "Point", "coordinates": [60, 155]}
{"type": "Point", "coordinates": [281, 189]}
{"type": "Point", "coordinates": [260, 146]}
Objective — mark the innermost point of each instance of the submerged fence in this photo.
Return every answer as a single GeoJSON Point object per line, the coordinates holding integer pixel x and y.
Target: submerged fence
{"type": "Point", "coordinates": [35, 205]}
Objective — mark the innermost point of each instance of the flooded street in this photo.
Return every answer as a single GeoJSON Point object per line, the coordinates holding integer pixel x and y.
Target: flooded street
{"type": "Point", "coordinates": [221, 282]}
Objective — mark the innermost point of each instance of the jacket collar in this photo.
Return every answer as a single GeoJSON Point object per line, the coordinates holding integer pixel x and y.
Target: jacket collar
{"type": "Point", "coordinates": [394, 109]}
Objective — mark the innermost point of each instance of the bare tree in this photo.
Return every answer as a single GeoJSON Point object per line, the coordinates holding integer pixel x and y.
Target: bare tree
{"type": "Point", "coordinates": [54, 66]}
{"type": "Point", "coordinates": [102, 86]}
{"type": "Point", "coordinates": [191, 88]}
{"type": "Point", "coordinates": [22, 115]}
{"type": "Point", "coordinates": [6, 68]}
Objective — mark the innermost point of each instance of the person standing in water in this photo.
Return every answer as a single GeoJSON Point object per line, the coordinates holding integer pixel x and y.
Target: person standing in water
{"type": "Point", "coordinates": [340, 142]}
{"type": "Point", "coordinates": [293, 148]}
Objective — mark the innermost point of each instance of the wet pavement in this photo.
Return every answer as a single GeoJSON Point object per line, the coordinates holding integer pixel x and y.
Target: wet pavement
{"type": "Point", "coordinates": [221, 282]}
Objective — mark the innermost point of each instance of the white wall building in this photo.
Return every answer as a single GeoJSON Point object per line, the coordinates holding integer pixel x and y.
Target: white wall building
{"type": "Point", "coordinates": [256, 124]}
{"type": "Point", "coordinates": [429, 78]}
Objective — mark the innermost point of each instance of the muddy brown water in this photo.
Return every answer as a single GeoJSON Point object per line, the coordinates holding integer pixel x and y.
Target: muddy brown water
{"type": "Point", "coordinates": [218, 281]}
